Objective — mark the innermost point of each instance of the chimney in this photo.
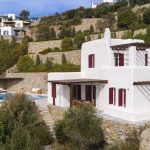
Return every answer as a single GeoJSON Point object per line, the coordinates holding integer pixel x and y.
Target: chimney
{"type": "Point", "coordinates": [107, 36]}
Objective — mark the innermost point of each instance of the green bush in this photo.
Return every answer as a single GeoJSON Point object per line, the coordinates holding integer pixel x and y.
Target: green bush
{"type": "Point", "coordinates": [81, 129]}
{"type": "Point", "coordinates": [67, 44]}
{"type": "Point", "coordinates": [125, 18]}
{"type": "Point", "coordinates": [59, 132]}
{"type": "Point", "coordinates": [46, 51]}
{"type": "Point", "coordinates": [79, 39]}
{"type": "Point", "coordinates": [146, 16]}
{"type": "Point", "coordinates": [21, 126]}
{"type": "Point", "coordinates": [24, 63]}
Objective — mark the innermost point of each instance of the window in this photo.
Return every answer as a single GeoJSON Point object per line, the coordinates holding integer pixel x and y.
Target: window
{"type": "Point", "coordinates": [122, 97]}
{"type": "Point", "coordinates": [5, 32]}
{"type": "Point", "coordinates": [112, 96]}
{"type": "Point", "coordinates": [91, 61]}
{"type": "Point", "coordinates": [146, 59]}
{"type": "Point", "coordinates": [119, 59]}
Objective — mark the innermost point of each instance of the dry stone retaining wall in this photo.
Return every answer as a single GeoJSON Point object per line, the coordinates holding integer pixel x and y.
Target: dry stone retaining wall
{"type": "Point", "coordinates": [73, 57]}
{"type": "Point", "coordinates": [36, 47]}
{"type": "Point", "coordinates": [29, 81]}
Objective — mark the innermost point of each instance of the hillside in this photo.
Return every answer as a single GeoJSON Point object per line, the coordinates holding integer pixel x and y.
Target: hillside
{"type": "Point", "coordinates": [54, 36]}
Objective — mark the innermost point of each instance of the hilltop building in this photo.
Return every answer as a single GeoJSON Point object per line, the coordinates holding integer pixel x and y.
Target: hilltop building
{"type": "Point", "coordinates": [94, 5]}
{"type": "Point", "coordinates": [12, 28]}
{"type": "Point", "coordinates": [114, 78]}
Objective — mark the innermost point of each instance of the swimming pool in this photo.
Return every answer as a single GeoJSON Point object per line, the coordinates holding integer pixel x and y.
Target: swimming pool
{"type": "Point", "coordinates": [4, 96]}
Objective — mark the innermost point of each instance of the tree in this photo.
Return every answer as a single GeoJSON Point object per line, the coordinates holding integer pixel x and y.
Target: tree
{"type": "Point", "coordinates": [21, 127]}
{"type": "Point", "coordinates": [24, 63]}
{"type": "Point", "coordinates": [24, 15]}
{"type": "Point", "coordinates": [79, 39]}
{"type": "Point", "coordinates": [80, 129]}
{"type": "Point", "coordinates": [146, 16]}
{"type": "Point", "coordinates": [67, 44]}
{"type": "Point", "coordinates": [49, 63]}
{"type": "Point", "coordinates": [125, 18]}
{"type": "Point", "coordinates": [52, 34]}
{"type": "Point", "coordinates": [43, 32]}
{"type": "Point", "coordinates": [38, 61]}
{"type": "Point", "coordinates": [91, 29]}
{"type": "Point", "coordinates": [63, 61]}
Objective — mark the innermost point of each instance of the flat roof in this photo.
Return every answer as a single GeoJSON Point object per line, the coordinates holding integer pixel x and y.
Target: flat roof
{"type": "Point", "coordinates": [141, 83]}
{"type": "Point", "coordinates": [139, 46]}
{"type": "Point", "coordinates": [71, 81]}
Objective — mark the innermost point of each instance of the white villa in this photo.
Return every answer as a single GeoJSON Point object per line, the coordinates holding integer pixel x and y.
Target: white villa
{"type": "Point", "coordinates": [12, 28]}
{"type": "Point", "coordinates": [114, 78]}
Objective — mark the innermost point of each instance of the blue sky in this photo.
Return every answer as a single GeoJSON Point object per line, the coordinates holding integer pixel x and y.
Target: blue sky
{"type": "Point", "coordinates": [41, 7]}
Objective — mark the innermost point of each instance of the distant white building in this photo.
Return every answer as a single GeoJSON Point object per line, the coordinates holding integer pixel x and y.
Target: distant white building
{"type": "Point", "coordinates": [94, 5]}
{"type": "Point", "coordinates": [108, 1]}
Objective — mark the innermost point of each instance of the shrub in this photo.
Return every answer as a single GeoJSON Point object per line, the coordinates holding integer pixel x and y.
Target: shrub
{"type": "Point", "coordinates": [59, 132]}
{"type": "Point", "coordinates": [21, 126]}
{"type": "Point", "coordinates": [24, 63]}
{"type": "Point", "coordinates": [57, 49]}
{"type": "Point", "coordinates": [67, 44]}
{"type": "Point", "coordinates": [46, 51]}
{"type": "Point", "coordinates": [82, 127]}
{"type": "Point", "coordinates": [125, 18]}
{"type": "Point", "coordinates": [146, 16]}
{"type": "Point", "coordinates": [79, 39]}
{"type": "Point", "coordinates": [63, 61]}
{"type": "Point", "coordinates": [38, 61]}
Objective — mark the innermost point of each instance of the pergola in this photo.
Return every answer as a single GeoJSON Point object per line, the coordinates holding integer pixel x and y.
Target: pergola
{"type": "Point", "coordinates": [70, 83]}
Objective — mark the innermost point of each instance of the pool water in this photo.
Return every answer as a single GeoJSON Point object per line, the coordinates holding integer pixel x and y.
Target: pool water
{"type": "Point", "coordinates": [4, 96]}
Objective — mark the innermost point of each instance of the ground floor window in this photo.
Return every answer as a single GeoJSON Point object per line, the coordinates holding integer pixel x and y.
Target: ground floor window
{"type": "Point", "coordinates": [112, 96]}
{"type": "Point", "coordinates": [122, 97]}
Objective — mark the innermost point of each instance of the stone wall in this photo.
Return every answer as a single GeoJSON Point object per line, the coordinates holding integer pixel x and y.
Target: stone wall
{"type": "Point", "coordinates": [115, 130]}
{"type": "Point", "coordinates": [86, 23]}
{"type": "Point", "coordinates": [29, 81]}
{"type": "Point", "coordinates": [74, 57]}
{"type": "Point", "coordinates": [36, 47]}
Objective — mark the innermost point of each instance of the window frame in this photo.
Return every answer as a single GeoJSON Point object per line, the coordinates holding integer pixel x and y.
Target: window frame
{"type": "Point", "coordinates": [112, 96]}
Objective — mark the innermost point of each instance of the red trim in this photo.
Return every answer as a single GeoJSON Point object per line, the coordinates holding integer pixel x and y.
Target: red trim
{"type": "Point", "coordinates": [53, 92]}
{"type": "Point", "coordinates": [121, 59]}
{"type": "Point", "coordinates": [120, 97]}
{"type": "Point", "coordinates": [110, 95]}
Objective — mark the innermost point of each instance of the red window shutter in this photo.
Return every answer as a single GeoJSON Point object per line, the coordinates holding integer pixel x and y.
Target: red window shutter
{"type": "Point", "coordinates": [124, 98]}
{"type": "Point", "coordinates": [146, 59]}
{"type": "Point", "coordinates": [121, 59]}
{"type": "Point", "coordinates": [120, 97]}
{"type": "Point", "coordinates": [53, 90]}
{"type": "Point", "coordinates": [110, 95]}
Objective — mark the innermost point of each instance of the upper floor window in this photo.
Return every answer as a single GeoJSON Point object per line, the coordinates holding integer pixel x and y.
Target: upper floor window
{"type": "Point", "coordinates": [119, 59]}
{"type": "Point", "coordinates": [112, 96]}
{"type": "Point", "coordinates": [122, 97]}
{"type": "Point", "coordinates": [91, 61]}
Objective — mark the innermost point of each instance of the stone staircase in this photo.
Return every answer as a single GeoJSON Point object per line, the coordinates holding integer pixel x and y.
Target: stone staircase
{"type": "Point", "coordinates": [43, 108]}
{"type": "Point", "coordinates": [48, 120]}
